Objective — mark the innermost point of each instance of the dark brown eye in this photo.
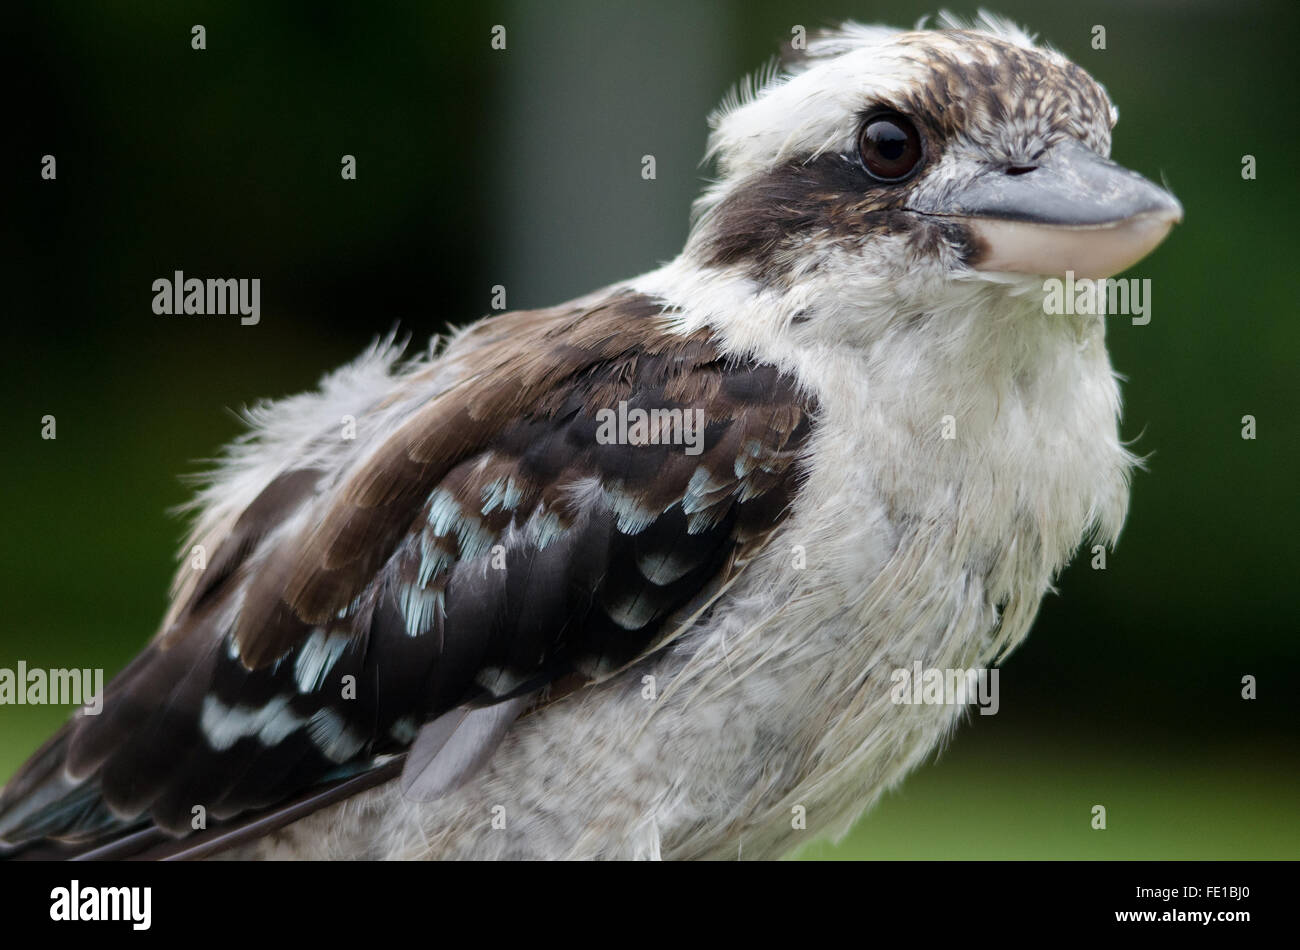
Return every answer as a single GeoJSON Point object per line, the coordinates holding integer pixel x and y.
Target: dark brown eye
{"type": "Point", "coordinates": [890, 146]}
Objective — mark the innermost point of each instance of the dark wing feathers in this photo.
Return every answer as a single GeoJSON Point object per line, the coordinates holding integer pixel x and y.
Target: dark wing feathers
{"type": "Point", "coordinates": [493, 546]}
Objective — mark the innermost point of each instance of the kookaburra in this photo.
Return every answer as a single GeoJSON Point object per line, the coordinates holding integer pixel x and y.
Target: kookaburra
{"type": "Point", "coordinates": [492, 625]}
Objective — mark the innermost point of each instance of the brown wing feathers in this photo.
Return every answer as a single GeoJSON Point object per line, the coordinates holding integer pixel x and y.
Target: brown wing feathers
{"type": "Point", "coordinates": [492, 545]}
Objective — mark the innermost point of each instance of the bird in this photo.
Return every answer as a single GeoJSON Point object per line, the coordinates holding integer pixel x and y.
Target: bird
{"type": "Point", "coordinates": [493, 623]}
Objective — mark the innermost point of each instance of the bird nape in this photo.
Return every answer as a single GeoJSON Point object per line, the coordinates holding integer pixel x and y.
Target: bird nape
{"type": "Point", "coordinates": [493, 625]}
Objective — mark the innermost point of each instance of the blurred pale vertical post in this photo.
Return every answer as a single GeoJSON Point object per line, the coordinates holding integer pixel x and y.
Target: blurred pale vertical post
{"type": "Point", "coordinates": [586, 90]}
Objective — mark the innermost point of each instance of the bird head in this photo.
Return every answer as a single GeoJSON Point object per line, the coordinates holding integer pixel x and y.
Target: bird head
{"type": "Point", "coordinates": [884, 159]}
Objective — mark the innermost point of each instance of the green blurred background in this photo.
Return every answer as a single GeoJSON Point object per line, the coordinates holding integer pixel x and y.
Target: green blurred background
{"type": "Point", "coordinates": [522, 168]}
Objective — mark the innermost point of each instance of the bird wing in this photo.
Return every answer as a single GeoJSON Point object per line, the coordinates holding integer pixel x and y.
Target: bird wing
{"type": "Point", "coordinates": [494, 548]}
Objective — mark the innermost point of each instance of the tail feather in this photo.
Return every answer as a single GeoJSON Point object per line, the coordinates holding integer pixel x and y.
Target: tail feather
{"type": "Point", "coordinates": [42, 802]}
{"type": "Point", "coordinates": [45, 815]}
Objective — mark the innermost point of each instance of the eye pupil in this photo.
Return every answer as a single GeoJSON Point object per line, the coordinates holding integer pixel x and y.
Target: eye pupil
{"type": "Point", "coordinates": [890, 147]}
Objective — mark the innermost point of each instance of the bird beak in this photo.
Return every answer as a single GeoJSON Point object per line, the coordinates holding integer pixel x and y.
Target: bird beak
{"type": "Point", "coordinates": [1073, 211]}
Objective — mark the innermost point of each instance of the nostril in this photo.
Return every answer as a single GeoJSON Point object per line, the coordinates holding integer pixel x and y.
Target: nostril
{"type": "Point", "coordinates": [1020, 169]}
